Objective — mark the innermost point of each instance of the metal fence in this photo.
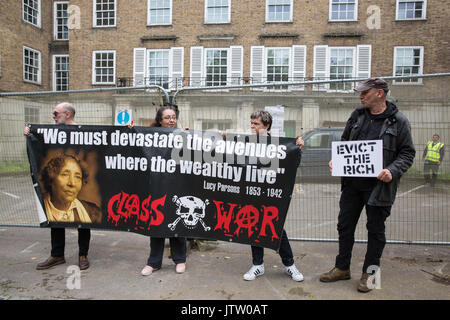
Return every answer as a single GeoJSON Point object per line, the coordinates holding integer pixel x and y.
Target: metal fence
{"type": "Point", "coordinates": [420, 214]}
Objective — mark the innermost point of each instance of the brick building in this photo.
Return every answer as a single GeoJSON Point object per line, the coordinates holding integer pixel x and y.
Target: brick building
{"type": "Point", "coordinates": [79, 44]}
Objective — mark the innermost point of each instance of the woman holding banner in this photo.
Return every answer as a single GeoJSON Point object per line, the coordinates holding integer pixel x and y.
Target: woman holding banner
{"type": "Point", "coordinates": [166, 117]}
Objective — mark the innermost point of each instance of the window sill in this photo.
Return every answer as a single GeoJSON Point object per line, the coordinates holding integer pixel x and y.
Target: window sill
{"type": "Point", "coordinates": [215, 23]}
{"type": "Point", "coordinates": [278, 22]}
{"type": "Point", "coordinates": [31, 24]}
{"type": "Point", "coordinates": [409, 20]}
{"type": "Point", "coordinates": [32, 82]}
{"type": "Point", "coordinates": [343, 21]}
{"type": "Point", "coordinates": [160, 25]}
{"type": "Point", "coordinates": [104, 27]}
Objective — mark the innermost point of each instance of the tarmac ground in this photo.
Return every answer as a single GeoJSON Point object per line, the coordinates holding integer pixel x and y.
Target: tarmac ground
{"type": "Point", "coordinates": [214, 271]}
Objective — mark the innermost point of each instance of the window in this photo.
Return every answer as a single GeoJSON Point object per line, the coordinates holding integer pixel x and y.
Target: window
{"type": "Point", "coordinates": [408, 61]}
{"type": "Point", "coordinates": [104, 67]}
{"type": "Point", "coordinates": [104, 13]}
{"type": "Point", "coordinates": [60, 18]}
{"type": "Point", "coordinates": [216, 67]}
{"type": "Point", "coordinates": [278, 10]}
{"type": "Point", "coordinates": [411, 9]}
{"type": "Point", "coordinates": [217, 11]}
{"type": "Point", "coordinates": [342, 62]}
{"type": "Point", "coordinates": [61, 72]}
{"type": "Point", "coordinates": [275, 64]}
{"type": "Point", "coordinates": [278, 65]}
{"type": "Point", "coordinates": [163, 67]}
{"type": "Point", "coordinates": [319, 140]}
{"type": "Point", "coordinates": [31, 12]}
{"type": "Point", "coordinates": [158, 67]}
{"type": "Point", "coordinates": [31, 65]}
{"type": "Point", "coordinates": [343, 10]}
{"type": "Point", "coordinates": [159, 12]}
{"type": "Point", "coordinates": [31, 115]}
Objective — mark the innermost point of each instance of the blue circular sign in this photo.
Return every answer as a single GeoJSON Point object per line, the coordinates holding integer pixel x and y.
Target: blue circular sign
{"type": "Point", "coordinates": [123, 117]}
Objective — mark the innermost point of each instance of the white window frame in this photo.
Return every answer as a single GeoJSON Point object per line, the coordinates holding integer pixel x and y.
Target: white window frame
{"type": "Point", "coordinates": [55, 56]}
{"type": "Point", "coordinates": [38, 18]}
{"type": "Point", "coordinates": [94, 82]}
{"type": "Point", "coordinates": [290, 66]}
{"type": "Point", "coordinates": [39, 67]}
{"type": "Point", "coordinates": [342, 20]}
{"type": "Point", "coordinates": [55, 22]}
{"type": "Point", "coordinates": [354, 66]}
{"type": "Point", "coordinates": [94, 16]}
{"type": "Point", "coordinates": [205, 53]}
{"type": "Point", "coordinates": [150, 23]}
{"type": "Point", "coordinates": [424, 10]}
{"type": "Point", "coordinates": [222, 22]}
{"type": "Point", "coordinates": [147, 72]}
{"type": "Point", "coordinates": [419, 80]}
{"type": "Point", "coordinates": [280, 21]}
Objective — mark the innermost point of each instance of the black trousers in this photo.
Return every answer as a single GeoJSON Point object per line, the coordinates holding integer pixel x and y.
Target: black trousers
{"type": "Point", "coordinates": [58, 238]}
{"type": "Point", "coordinates": [285, 252]}
{"type": "Point", "coordinates": [177, 246]}
{"type": "Point", "coordinates": [351, 204]}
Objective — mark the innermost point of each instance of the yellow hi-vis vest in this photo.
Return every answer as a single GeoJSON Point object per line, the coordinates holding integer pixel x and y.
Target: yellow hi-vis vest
{"type": "Point", "coordinates": [433, 154]}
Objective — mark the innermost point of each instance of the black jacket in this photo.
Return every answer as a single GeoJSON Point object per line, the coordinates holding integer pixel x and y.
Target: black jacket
{"type": "Point", "coordinates": [398, 150]}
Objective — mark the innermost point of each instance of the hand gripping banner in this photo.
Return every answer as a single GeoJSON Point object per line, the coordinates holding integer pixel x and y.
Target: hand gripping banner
{"type": "Point", "coordinates": [164, 182]}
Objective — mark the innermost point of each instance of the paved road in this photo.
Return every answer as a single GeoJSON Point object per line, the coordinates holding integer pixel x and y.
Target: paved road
{"type": "Point", "coordinates": [213, 273]}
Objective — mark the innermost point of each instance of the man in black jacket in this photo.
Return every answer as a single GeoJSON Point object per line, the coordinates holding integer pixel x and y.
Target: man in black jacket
{"type": "Point", "coordinates": [377, 119]}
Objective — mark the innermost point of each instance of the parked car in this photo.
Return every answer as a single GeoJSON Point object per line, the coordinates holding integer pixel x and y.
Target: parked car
{"type": "Point", "coordinates": [317, 153]}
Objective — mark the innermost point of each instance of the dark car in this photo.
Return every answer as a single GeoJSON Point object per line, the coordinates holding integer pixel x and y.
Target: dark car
{"type": "Point", "coordinates": [317, 153]}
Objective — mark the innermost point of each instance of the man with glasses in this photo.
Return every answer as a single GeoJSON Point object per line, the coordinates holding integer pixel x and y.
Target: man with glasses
{"type": "Point", "coordinates": [64, 114]}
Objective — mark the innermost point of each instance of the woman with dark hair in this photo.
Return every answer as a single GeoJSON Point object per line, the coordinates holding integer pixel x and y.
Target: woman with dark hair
{"type": "Point", "coordinates": [166, 117]}
{"type": "Point", "coordinates": [62, 178]}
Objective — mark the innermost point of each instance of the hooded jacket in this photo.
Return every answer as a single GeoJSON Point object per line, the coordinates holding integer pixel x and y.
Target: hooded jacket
{"type": "Point", "coordinates": [398, 149]}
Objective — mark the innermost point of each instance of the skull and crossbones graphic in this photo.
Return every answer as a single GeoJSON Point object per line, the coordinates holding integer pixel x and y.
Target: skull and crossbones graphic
{"type": "Point", "coordinates": [190, 210]}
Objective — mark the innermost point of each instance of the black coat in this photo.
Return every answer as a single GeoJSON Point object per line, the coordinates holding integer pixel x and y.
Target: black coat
{"type": "Point", "coordinates": [398, 150]}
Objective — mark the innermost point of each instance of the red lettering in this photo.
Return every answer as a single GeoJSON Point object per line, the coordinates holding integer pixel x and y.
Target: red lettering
{"type": "Point", "coordinates": [132, 206]}
{"type": "Point", "coordinates": [223, 219]}
{"type": "Point", "coordinates": [123, 205]}
{"type": "Point", "coordinates": [111, 207]}
{"type": "Point", "coordinates": [247, 218]}
{"type": "Point", "coordinates": [159, 215]}
{"type": "Point", "coordinates": [145, 214]}
{"type": "Point", "coordinates": [270, 213]}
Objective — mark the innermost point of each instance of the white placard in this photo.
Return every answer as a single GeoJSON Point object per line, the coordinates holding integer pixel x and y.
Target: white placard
{"type": "Point", "coordinates": [123, 117]}
{"type": "Point", "coordinates": [277, 113]}
{"type": "Point", "coordinates": [362, 158]}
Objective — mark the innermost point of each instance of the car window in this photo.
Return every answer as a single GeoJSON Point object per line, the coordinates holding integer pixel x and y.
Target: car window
{"type": "Point", "coordinates": [318, 140]}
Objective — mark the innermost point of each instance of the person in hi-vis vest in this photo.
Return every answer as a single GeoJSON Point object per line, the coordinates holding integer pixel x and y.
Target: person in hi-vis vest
{"type": "Point", "coordinates": [433, 156]}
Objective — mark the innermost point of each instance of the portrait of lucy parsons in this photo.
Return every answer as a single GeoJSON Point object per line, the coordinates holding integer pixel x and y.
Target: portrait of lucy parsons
{"type": "Point", "coordinates": [62, 178]}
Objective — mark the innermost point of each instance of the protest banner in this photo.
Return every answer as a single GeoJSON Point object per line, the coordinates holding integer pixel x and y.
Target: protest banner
{"type": "Point", "coordinates": [164, 182]}
{"type": "Point", "coordinates": [357, 158]}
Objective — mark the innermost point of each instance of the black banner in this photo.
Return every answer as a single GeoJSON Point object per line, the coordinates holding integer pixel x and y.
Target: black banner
{"type": "Point", "coordinates": [164, 182]}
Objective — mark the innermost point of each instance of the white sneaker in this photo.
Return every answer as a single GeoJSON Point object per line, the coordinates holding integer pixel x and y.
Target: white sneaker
{"type": "Point", "coordinates": [294, 273]}
{"type": "Point", "coordinates": [255, 271]}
